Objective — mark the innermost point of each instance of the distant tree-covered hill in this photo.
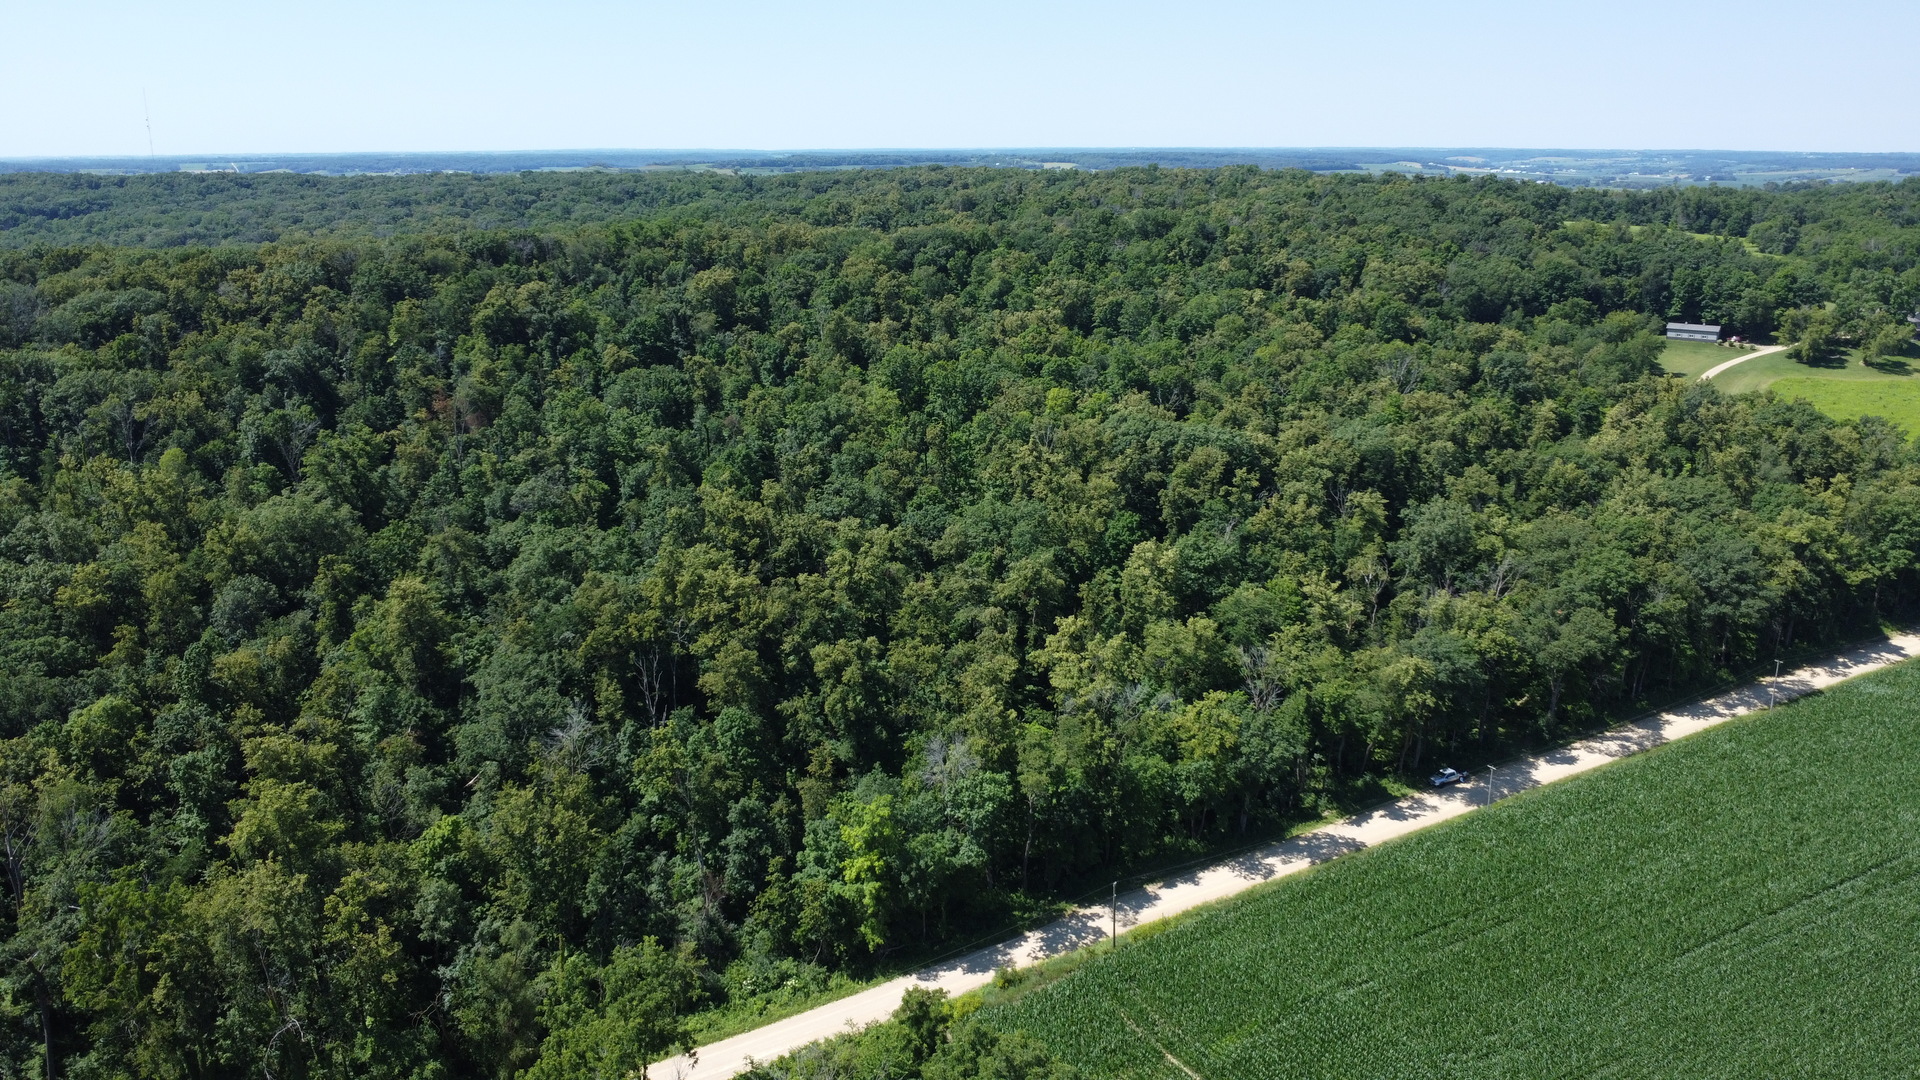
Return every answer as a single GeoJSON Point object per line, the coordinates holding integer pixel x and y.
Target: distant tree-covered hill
{"type": "Point", "coordinates": [470, 635]}
{"type": "Point", "coordinates": [175, 209]}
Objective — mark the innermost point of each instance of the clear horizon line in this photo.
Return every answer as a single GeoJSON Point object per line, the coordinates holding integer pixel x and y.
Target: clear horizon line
{"type": "Point", "coordinates": [231, 154]}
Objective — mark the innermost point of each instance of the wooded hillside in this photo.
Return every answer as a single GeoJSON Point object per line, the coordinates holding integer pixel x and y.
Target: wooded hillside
{"type": "Point", "coordinates": [466, 652]}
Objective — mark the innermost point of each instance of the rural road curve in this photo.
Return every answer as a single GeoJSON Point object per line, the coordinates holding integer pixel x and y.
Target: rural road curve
{"type": "Point", "coordinates": [1741, 359]}
{"type": "Point", "coordinates": [1188, 890]}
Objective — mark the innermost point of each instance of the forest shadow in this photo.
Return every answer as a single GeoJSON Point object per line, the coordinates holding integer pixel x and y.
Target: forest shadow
{"type": "Point", "coordinates": [1825, 358]}
{"type": "Point", "coordinates": [1417, 805]}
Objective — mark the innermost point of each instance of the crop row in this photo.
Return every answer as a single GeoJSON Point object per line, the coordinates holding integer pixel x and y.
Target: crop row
{"type": "Point", "coordinates": [1743, 903]}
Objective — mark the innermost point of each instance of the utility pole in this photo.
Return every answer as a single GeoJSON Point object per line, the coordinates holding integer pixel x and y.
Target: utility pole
{"type": "Point", "coordinates": [1113, 917]}
{"type": "Point", "coordinates": [1776, 678]}
{"type": "Point", "coordinates": [1489, 800]}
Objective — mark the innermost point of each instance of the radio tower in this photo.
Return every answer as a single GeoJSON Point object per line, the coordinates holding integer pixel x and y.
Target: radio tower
{"type": "Point", "coordinates": [148, 114]}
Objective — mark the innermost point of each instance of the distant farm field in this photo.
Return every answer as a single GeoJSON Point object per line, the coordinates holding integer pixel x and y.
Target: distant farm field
{"type": "Point", "coordinates": [1744, 903]}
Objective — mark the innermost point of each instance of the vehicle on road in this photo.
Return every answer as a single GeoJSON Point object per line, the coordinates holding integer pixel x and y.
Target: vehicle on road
{"type": "Point", "coordinates": [1448, 777]}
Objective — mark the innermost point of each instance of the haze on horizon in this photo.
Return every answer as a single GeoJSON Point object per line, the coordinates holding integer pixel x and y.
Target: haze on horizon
{"type": "Point", "coordinates": [226, 77]}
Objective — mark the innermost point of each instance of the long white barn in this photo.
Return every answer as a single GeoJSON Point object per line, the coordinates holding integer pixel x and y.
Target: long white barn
{"type": "Point", "coordinates": [1686, 331]}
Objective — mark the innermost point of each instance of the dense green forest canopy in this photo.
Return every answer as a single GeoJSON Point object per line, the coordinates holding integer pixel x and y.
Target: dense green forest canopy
{"type": "Point", "coordinates": [173, 209]}
{"type": "Point", "coordinates": [466, 651]}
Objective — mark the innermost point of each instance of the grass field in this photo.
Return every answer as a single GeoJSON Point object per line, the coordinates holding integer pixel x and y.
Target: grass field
{"type": "Point", "coordinates": [1898, 401]}
{"type": "Point", "coordinates": [1843, 388]}
{"type": "Point", "coordinates": [1763, 371]}
{"type": "Point", "coordinates": [1692, 358]}
{"type": "Point", "coordinates": [1743, 903]}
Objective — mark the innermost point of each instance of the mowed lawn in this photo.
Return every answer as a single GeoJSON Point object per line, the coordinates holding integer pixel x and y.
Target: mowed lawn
{"type": "Point", "coordinates": [1763, 371]}
{"type": "Point", "coordinates": [1744, 903]}
{"type": "Point", "coordinates": [1843, 388]}
{"type": "Point", "coordinates": [1693, 358]}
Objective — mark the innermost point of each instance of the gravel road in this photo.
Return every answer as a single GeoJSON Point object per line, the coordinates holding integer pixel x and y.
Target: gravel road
{"type": "Point", "coordinates": [1741, 359]}
{"type": "Point", "coordinates": [1183, 892]}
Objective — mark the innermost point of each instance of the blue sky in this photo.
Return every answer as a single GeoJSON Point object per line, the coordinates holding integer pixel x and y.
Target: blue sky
{"type": "Point", "coordinates": [272, 77]}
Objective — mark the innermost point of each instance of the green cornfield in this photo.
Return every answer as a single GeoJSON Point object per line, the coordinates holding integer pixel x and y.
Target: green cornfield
{"type": "Point", "coordinates": [1745, 903]}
